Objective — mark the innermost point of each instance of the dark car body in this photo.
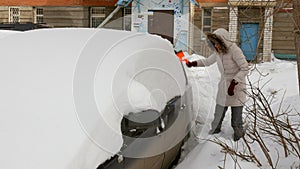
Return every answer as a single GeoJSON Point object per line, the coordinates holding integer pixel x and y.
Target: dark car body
{"type": "Point", "coordinates": [20, 26]}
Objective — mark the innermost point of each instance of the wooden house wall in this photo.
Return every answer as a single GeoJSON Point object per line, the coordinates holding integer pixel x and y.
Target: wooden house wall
{"type": "Point", "coordinates": [283, 33]}
{"type": "Point", "coordinates": [71, 16]}
{"type": "Point", "coordinates": [219, 19]}
{"type": "Point", "coordinates": [4, 14]}
{"type": "Point", "coordinates": [26, 14]}
{"type": "Point", "coordinates": [58, 2]}
{"type": "Point", "coordinates": [66, 16]}
{"type": "Point", "coordinates": [197, 24]}
{"type": "Point", "coordinates": [77, 17]}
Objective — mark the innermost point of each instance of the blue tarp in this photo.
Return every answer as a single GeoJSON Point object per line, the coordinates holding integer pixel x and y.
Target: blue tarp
{"type": "Point", "coordinates": [285, 56]}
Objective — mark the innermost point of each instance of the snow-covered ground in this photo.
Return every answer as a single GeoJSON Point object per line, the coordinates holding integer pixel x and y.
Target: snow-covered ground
{"type": "Point", "coordinates": [278, 77]}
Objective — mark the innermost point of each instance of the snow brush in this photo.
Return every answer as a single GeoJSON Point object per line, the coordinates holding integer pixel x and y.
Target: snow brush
{"type": "Point", "coordinates": [181, 57]}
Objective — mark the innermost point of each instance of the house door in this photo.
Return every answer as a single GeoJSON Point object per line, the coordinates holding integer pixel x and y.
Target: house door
{"type": "Point", "coordinates": [249, 39]}
{"type": "Point", "coordinates": [162, 23]}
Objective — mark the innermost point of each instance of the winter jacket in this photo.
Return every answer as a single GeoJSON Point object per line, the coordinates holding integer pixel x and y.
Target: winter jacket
{"type": "Point", "coordinates": [232, 65]}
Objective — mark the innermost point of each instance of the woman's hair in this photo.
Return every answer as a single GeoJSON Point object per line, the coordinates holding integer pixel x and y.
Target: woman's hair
{"type": "Point", "coordinates": [215, 39]}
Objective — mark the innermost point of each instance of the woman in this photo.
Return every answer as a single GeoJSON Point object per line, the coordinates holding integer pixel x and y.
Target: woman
{"type": "Point", "coordinates": [233, 68]}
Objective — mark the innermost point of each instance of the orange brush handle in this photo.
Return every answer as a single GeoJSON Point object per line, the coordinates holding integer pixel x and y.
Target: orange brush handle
{"type": "Point", "coordinates": [180, 55]}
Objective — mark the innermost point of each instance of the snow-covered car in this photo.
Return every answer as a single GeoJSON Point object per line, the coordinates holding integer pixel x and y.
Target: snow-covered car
{"type": "Point", "coordinates": [91, 98]}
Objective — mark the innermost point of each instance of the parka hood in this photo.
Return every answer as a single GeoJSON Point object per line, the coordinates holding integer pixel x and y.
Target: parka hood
{"type": "Point", "coordinates": [224, 35]}
{"type": "Point", "coordinates": [222, 38]}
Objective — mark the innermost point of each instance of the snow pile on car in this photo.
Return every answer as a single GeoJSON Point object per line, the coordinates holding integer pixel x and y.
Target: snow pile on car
{"type": "Point", "coordinates": [5, 33]}
{"type": "Point", "coordinates": [64, 93]}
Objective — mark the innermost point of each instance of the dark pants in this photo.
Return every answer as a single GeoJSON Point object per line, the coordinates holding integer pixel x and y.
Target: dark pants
{"type": "Point", "coordinates": [236, 117]}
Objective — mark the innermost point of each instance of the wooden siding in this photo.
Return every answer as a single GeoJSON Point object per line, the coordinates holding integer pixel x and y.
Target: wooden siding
{"type": "Point", "coordinates": [212, 1]}
{"type": "Point", "coordinates": [26, 14]}
{"type": "Point", "coordinates": [4, 14]}
{"type": "Point", "coordinates": [77, 17]}
{"type": "Point", "coordinates": [220, 18]}
{"type": "Point", "coordinates": [253, 3]}
{"type": "Point", "coordinates": [63, 16]}
{"type": "Point", "coordinates": [58, 2]}
{"type": "Point", "coordinates": [283, 33]}
{"type": "Point", "coordinates": [197, 31]}
{"type": "Point", "coordinates": [66, 16]}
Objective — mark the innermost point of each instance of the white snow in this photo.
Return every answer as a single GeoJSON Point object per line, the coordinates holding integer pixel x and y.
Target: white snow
{"type": "Point", "coordinates": [65, 91]}
{"type": "Point", "coordinates": [5, 33]}
{"type": "Point", "coordinates": [280, 76]}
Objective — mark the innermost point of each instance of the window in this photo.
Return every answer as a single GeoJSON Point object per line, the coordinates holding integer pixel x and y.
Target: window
{"type": "Point", "coordinates": [14, 15]}
{"type": "Point", "coordinates": [39, 15]}
{"type": "Point", "coordinates": [206, 20]}
{"type": "Point", "coordinates": [127, 19]}
{"type": "Point", "coordinates": [97, 16]}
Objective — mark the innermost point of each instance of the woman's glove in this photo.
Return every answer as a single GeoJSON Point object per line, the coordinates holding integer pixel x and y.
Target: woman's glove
{"type": "Point", "coordinates": [191, 64]}
{"type": "Point", "coordinates": [231, 87]}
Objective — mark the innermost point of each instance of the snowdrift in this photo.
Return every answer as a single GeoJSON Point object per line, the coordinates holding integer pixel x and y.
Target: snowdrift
{"type": "Point", "coordinates": [63, 93]}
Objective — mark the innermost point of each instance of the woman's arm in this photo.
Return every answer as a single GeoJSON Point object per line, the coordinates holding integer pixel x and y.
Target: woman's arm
{"type": "Point", "coordinates": [207, 61]}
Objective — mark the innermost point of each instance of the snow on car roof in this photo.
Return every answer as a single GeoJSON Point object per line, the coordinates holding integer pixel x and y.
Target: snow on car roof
{"type": "Point", "coordinates": [5, 33]}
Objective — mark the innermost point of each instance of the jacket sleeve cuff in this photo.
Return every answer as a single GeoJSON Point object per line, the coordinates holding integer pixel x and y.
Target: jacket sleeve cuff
{"type": "Point", "coordinates": [200, 63]}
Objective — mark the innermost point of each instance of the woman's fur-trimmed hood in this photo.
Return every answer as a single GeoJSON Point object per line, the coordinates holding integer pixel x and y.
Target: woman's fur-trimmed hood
{"type": "Point", "coordinates": [221, 37]}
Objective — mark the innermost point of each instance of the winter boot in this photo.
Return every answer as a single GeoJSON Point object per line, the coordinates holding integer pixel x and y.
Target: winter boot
{"type": "Point", "coordinates": [237, 122]}
{"type": "Point", "coordinates": [238, 133]}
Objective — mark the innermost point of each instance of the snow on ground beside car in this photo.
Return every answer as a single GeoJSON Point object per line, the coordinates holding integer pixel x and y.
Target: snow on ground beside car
{"type": "Point", "coordinates": [64, 93]}
{"type": "Point", "coordinates": [280, 77]}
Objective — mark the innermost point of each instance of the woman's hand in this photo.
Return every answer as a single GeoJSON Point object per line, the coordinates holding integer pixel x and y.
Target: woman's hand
{"type": "Point", "coordinates": [191, 64]}
{"type": "Point", "coordinates": [231, 87]}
